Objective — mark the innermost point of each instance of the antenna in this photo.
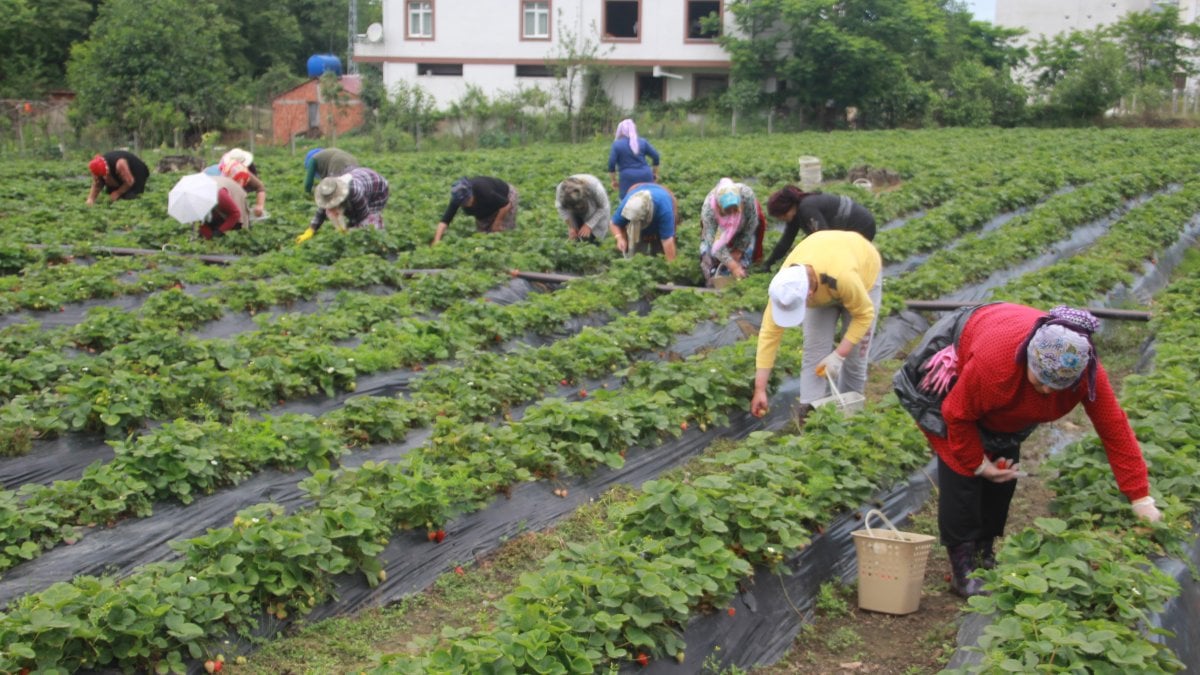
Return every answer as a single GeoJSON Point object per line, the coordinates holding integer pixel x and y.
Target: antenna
{"type": "Point", "coordinates": [351, 33]}
{"type": "Point", "coordinates": [659, 72]}
{"type": "Point", "coordinates": [375, 32]}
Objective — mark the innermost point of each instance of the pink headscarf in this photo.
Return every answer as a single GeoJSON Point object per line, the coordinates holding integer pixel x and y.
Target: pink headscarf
{"type": "Point", "coordinates": [626, 129]}
{"type": "Point", "coordinates": [727, 224]}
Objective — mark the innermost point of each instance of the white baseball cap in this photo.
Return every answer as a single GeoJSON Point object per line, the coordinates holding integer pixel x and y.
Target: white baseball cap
{"type": "Point", "coordinates": [789, 295]}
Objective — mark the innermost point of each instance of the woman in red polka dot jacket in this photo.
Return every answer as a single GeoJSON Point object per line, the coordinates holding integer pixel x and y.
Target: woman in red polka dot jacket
{"type": "Point", "coordinates": [978, 384]}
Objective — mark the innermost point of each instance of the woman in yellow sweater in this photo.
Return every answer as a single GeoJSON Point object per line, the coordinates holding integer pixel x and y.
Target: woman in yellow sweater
{"type": "Point", "coordinates": [831, 276]}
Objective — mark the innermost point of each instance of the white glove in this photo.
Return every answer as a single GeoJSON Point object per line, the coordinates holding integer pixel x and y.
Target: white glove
{"type": "Point", "coordinates": [1145, 508]}
{"type": "Point", "coordinates": [830, 366]}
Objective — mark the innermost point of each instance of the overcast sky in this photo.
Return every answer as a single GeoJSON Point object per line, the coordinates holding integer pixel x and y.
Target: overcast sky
{"type": "Point", "coordinates": [984, 9]}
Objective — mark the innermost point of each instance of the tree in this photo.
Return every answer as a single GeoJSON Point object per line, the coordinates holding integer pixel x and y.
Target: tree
{"type": "Point", "coordinates": [1158, 46]}
{"type": "Point", "coordinates": [268, 36]}
{"type": "Point", "coordinates": [162, 52]}
{"type": "Point", "coordinates": [888, 58]}
{"type": "Point", "coordinates": [883, 57]}
{"type": "Point", "coordinates": [980, 96]}
{"type": "Point", "coordinates": [35, 40]}
{"type": "Point", "coordinates": [1093, 81]}
{"type": "Point", "coordinates": [572, 61]}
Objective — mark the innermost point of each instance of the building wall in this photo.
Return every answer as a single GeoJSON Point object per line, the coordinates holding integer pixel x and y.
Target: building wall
{"type": "Point", "coordinates": [290, 113]}
{"type": "Point", "coordinates": [485, 38]}
{"type": "Point", "coordinates": [1049, 18]}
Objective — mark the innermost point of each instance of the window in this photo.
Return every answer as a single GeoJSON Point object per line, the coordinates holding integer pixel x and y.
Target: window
{"type": "Point", "coordinates": [450, 69]}
{"type": "Point", "coordinates": [650, 89]}
{"type": "Point", "coordinates": [697, 11]}
{"type": "Point", "coordinates": [621, 19]}
{"type": "Point", "coordinates": [539, 70]}
{"type": "Point", "coordinates": [535, 20]}
{"type": "Point", "coordinates": [420, 20]}
{"type": "Point", "coordinates": [704, 86]}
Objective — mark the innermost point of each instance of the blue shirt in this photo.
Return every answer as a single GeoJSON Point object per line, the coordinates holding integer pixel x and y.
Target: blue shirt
{"type": "Point", "coordinates": [621, 158]}
{"type": "Point", "coordinates": [662, 221]}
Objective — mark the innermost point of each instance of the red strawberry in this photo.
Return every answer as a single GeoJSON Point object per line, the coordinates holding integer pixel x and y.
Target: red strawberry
{"type": "Point", "coordinates": [565, 382]}
{"type": "Point", "coordinates": [459, 570]}
{"type": "Point", "coordinates": [643, 659]}
{"type": "Point", "coordinates": [440, 534]}
{"type": "Point", "coordinates": [583, 393]}
{"type": "Point", "coordinates": [432, 535]}
{"type": "Point", "coordinates": [683, 425]}
{"type": "Point", "coordinates": [731, 611]}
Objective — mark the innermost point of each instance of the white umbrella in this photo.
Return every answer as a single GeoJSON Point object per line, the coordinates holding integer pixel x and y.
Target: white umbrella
{"type": "Point", "coordinates": [192, 198]}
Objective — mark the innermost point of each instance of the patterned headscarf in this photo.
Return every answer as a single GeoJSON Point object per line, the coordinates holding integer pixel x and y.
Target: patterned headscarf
{"type": "Point", "coordinates": [627, 129]}
{"type": "Point", "coordinates": [235, 171]}
{"type": "Point", "coordinates": [726, 192]}
{"type": "Point", "coordinates": [1059, 349]}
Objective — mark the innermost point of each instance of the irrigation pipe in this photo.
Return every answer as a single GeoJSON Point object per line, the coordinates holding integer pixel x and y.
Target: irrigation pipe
{"type": "Point", "coordinates": [563, 278]}
{"type": "Point", "coordinates": [211, 259]}
{"type": "Point", "coordinates": [1101, 312]}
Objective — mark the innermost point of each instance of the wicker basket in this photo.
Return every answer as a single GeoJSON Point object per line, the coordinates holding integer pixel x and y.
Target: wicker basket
{"type": "Point", "coordinates": [891, 566]}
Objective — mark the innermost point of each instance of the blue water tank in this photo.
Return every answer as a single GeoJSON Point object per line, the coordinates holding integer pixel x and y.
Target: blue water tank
{"type": "Point", "coordinates": [319, 63]}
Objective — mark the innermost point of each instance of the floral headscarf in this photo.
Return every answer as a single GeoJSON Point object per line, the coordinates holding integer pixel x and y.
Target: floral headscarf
{"type": "Point", "coordinates": [726, 192]}
{"type": "Point", "coordinates": [1059, 349]}
{"type": "Point", "coordinates": [627, 129]}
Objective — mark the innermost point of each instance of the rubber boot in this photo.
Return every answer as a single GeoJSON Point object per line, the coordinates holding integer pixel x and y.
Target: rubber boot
{"type": "Point", "coordinates": [985, 551]}
{"type": "Point", "coordinates": [962, 563]}
{"type": "Point", "coordinates": [800, 413]}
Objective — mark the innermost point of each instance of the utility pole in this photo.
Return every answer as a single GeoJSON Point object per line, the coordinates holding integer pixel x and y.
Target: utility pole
{"type": "Point", "coordinates": [351, 34]}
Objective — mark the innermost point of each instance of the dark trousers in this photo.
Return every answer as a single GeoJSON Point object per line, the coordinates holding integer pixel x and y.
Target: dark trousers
{"type": "Point", "coordinates": [971, 508]}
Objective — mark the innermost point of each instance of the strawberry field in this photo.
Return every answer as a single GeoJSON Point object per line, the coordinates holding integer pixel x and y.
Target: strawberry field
{"type": "Point", "coordinates": [205, 441]}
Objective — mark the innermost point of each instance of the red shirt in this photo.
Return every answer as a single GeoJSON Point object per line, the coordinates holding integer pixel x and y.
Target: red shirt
{"type": "Point", "coordinates": [994, 392]}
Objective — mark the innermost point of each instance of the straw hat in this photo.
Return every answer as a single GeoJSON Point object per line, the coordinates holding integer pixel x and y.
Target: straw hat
{"type": "Point", "coordinates": [332, 191]}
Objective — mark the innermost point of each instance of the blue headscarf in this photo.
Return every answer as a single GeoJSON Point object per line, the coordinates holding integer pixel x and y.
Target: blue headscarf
{"type": "Point", "coordinates": [308, 157]}
{"type": "Point", "coordinates": [460, 191]}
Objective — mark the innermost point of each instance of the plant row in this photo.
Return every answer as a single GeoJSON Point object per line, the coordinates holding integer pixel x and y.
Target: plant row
{"type": "Point", "coordinates": [1025, 237]}
{"type": "Point", "coordinates": [681, 549]}
{"type": "Point", "coordinates": [182, 459]}
{"type": "Point", "coordinates": [175, 375]}
{"type": "Point", "coordinates": [166, 613]}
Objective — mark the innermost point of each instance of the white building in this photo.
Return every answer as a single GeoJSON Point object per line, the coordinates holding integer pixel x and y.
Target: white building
{"type": "Point", "coordinates": [1047, 18]}
{"type": "Point", "coordinates": [656, 50]}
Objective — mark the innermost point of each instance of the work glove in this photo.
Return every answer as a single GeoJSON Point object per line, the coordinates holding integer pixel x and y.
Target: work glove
{"type": "Point", "coordinates": [1145, 508]}
{"type": "Point", "coordinates": [830, 366]}
{"type": "Point", "coordinates": [305, 236]}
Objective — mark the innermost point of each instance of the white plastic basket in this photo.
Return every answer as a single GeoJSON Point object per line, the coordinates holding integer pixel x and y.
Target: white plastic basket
{"type": "Point", "coordinates": [848, 403]}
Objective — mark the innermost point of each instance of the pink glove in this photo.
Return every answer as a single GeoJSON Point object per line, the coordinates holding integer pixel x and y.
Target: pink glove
{"type": "Point", "coordinates": [1145, 508]}
{"type": "Point", "coordinates": [940, 371]}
